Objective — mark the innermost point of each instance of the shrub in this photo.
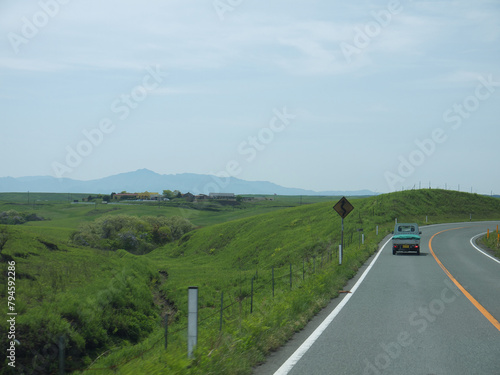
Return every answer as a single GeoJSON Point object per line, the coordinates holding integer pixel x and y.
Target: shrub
{"type": "Point", "coordinates": [131, 233]}
{"type": "Point", "coordinates": [12, 217]}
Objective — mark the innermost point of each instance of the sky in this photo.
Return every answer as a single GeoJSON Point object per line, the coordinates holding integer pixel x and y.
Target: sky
{"type": "Point", "coordinates": [321, 95]}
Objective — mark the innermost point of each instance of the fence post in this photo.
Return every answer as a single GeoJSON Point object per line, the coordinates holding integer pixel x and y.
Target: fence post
{"type": "Point", "coordinates": [273, 282]}
{"type": "Point", "coordinates": [251, 298]}
{"type": "Point", "coordinates": [377, 230]}
{"type": "Point", "coordinates": [192, 319]}
{"type": "Point", "coordinates": [221, 308]}
{"type": "Point", "coordinates": [166, 331]}
{"type": "Point", "coordinates": [61, 355]}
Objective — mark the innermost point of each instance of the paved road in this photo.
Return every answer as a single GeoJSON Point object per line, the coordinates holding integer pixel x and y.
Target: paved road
{"type": "Point", "coordinates": [436, 313]}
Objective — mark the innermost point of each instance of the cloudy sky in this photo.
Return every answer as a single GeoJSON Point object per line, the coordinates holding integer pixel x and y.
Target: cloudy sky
{"type": "Point", "coordinates": [321, 95]}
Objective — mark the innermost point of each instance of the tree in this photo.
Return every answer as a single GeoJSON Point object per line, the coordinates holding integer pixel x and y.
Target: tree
{"type": "Point", "coordinates": [168, 194]}
{"type": "Point", "coordinates": [146, 195]}
{"type": "Point", "coordinates": [4, 237]}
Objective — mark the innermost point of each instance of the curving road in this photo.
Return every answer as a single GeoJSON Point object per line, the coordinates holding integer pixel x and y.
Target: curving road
{"type": "Point", "coordinates": [437, 313]}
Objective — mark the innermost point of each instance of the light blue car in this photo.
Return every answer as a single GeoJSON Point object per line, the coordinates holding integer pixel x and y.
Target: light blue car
{"type": "Point", "coordinates": [406, 237]}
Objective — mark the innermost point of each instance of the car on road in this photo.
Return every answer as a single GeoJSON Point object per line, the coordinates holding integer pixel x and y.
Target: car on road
{"type": "Point", "coordinates": [406, 238]}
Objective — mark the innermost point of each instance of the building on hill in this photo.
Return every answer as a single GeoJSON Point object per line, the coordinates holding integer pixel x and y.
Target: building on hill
{"type": "Point", "coordinates": [126, 196]}
{"type": "Point", "coordinates": [137, 196]}
{"type": "Point", "coordinates": [223, 196]}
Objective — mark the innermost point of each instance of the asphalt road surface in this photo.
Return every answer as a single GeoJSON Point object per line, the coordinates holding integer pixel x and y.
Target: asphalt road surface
{"type": "Point", "coordinates": [437, 313]}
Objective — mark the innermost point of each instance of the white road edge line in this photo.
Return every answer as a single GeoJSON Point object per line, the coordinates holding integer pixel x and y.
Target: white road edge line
{"type": "Point", "coordinates": [481, 251]}
{"type": "Point", "coordinates": [306, 345]}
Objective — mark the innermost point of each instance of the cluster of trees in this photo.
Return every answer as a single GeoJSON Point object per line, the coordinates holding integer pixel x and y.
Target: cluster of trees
{"type": "Point", "coordinates": [172, 194]}
{"type": "Point", "coordinates": [13, 217]}
{"type": "Point", "coordinates": [137, 235]}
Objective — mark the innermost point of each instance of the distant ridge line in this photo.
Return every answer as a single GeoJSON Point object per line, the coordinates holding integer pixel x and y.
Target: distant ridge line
{"type": "Point", "coordinates": [147, 180]}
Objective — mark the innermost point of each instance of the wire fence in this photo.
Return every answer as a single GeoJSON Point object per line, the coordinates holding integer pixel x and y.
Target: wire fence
{"type": "Point", "coordinates": [258, 283]}
{"type": "Point", "coordinates": [269, 283]}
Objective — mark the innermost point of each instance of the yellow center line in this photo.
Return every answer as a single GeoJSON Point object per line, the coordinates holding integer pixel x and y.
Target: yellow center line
{"type": "Point", "coordinates": [481, 309]}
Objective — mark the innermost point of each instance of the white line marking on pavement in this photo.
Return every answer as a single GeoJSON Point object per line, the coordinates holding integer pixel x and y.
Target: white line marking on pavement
{"type": "Point", "coordinates": [306, 345]}
{"type": "Point", "coordinates": [481, 251]}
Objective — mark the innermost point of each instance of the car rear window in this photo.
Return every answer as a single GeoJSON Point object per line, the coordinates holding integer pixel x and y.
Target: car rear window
{"type": "Point", "coordinates": [406, 229]}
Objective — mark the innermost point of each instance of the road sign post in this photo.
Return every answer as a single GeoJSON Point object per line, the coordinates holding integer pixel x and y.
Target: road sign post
{"type": "Point", "coordinates": [341, 243]}
{"type": "Point", "coordinates": [343, 208]}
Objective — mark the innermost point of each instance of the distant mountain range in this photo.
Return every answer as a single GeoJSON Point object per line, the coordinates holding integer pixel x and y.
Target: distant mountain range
{"type": "Point", "coordinates": [146, 180]}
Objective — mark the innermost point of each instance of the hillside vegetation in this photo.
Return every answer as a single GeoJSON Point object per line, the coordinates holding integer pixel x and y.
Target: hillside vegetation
{"type": "Point", "coordinates": [111, 305]}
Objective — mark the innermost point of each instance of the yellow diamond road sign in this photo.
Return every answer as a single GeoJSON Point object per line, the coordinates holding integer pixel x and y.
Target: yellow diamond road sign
{"type": "Point", "coordinates": [343, 207]}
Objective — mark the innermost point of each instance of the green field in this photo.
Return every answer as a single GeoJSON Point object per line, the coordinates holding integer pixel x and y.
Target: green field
{"type": "Point", "coordinates": [110, 306]}
{"type": "Point", "coordinates": [200, 214]}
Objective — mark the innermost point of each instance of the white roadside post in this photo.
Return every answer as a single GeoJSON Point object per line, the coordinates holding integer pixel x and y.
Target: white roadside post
{"type": "Point", "coordinates": [192, 319]}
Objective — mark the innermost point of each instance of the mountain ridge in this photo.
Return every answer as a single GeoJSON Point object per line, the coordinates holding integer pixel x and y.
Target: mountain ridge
{"type": "Point", "coordinates": [147, 180]}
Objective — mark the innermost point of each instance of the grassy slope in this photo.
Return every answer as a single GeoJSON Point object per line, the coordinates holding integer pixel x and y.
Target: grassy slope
{"type": "Point", "coordinates": [224, 258]}
{"type": "Point", "coordinates": [75, 290]}
{"type": "Point", "coordinates": [217, 258]}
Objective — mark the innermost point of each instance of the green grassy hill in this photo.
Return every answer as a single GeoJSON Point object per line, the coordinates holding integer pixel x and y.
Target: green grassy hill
{"type": "Point", "coordinates": [110, 306]}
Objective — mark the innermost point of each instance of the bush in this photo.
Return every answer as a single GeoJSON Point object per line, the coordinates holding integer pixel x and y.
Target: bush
{"type": "Point", "coordinates": [131, 233]}
{"type": "Point", "coordinates": [13, 217]}
{"type": "Point", "coordinates": [108, 312]}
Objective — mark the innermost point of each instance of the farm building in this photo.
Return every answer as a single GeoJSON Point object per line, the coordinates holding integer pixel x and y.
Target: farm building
{"type": "Point", "coordinates": [225, 196]}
